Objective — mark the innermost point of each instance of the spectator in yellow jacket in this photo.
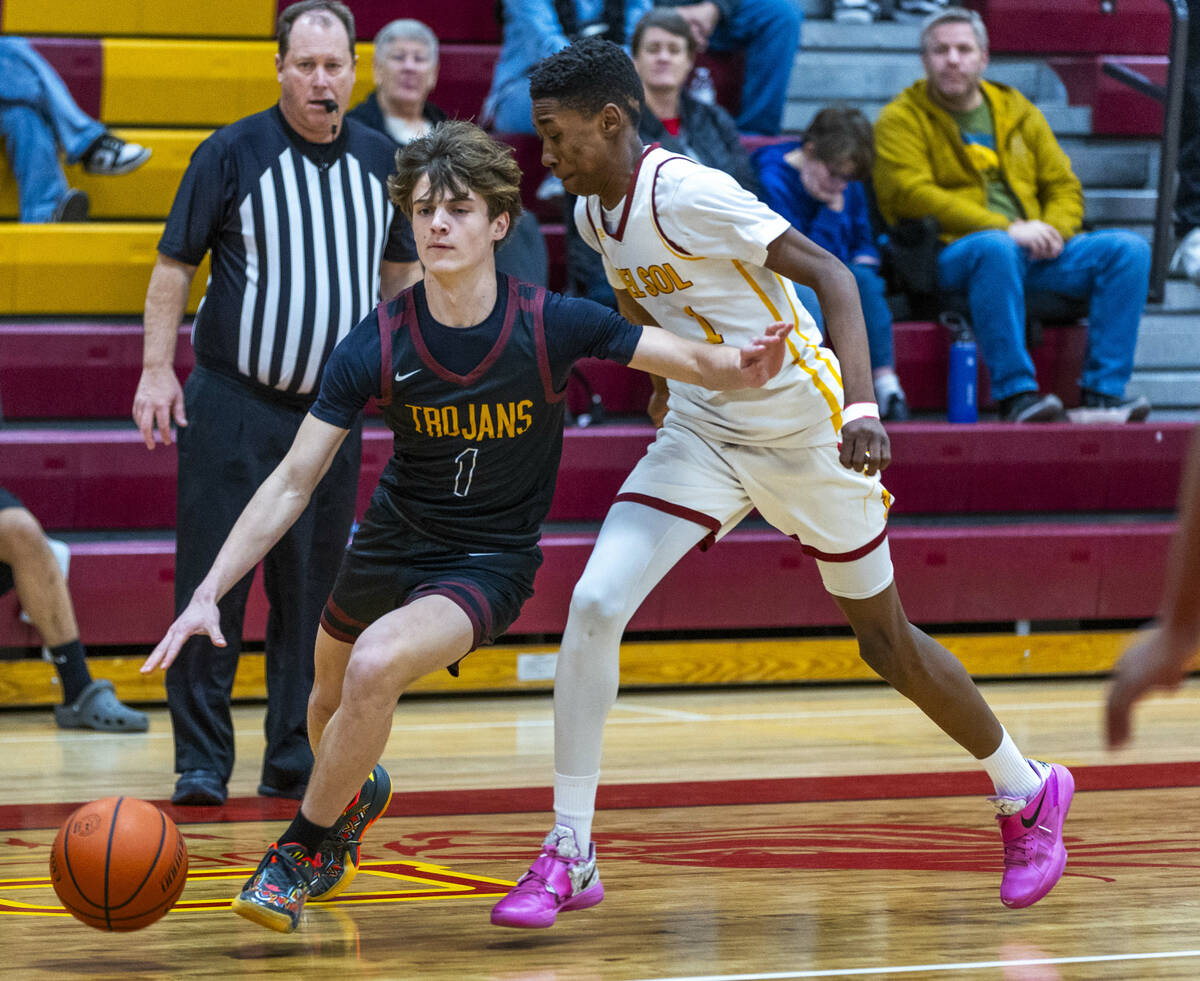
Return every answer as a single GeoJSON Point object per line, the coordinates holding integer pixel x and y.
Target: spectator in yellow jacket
{"type": "Point", "coordinates": [981, 159]}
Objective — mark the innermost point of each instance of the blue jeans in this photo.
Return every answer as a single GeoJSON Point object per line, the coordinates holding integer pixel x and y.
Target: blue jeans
{"type": "Point", "coordinates": [1111, 269]}
{"type": "Point", "coordinates": [768, 31]}
{"type": "Point", "coordinates": [37, 117]}
{"type": "Point", "coordinates": [876, 313]}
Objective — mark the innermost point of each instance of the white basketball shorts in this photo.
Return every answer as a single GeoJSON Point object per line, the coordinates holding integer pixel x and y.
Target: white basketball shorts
{"type": "Point", "coordinates": [838, 516]}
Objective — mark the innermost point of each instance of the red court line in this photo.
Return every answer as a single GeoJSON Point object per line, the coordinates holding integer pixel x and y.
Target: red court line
{"type": "Point", "coordinates": [519, 800]}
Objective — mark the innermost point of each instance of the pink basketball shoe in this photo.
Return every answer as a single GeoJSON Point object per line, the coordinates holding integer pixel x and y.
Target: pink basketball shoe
{"type": "Point", "coordinates": [1034, 854]}
{"type": "Point", "coordinates": [560, 879]}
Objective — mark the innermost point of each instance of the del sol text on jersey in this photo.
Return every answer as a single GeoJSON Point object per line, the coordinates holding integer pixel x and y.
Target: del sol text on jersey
{"type": "Point", "coordinates": [654, 280]}
{"type": "Point", "coordinates": [475, 420]}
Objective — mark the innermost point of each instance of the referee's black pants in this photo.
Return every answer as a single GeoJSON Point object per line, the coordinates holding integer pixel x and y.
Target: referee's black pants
{"type": "Point", "coordinates": [233, 440]}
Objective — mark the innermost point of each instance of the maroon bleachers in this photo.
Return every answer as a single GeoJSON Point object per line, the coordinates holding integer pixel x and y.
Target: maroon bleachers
{"type": "Point", "coordinates": [104, 361]}
{"type": "Point", "coordinates": [80, 63]}
{"type": "Point", "coordinates": [1117, 109]}
{"type": "Point", "coordinates": [1052, 26]}
{"type": "Point", "coordinates": [754, 579]}
{"type": "Point", "coordinates": [922, 353]}
{"type": "Point", "coordinates": [464, 77]}
{"type": "Point", "coordinates": [450, 20]}
{"type": "Point", "coordinates": [74, 369]}
{"type": "Point", "coordinates": [105, 479]}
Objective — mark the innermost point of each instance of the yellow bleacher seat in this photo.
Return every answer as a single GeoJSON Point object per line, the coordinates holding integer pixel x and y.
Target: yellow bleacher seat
{"type": "Point", "coordinates": [214, 18]}
{"type": "Point", "coordinates": [195, 83]}
{"type": "Point", "coordinates": [81, 269]}
{"type": "Point", "coordinates": [146, 193]}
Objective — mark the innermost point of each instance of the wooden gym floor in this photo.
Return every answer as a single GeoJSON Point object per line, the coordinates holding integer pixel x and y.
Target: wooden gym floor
{"type": "Point", "coordinates": [789, 832]}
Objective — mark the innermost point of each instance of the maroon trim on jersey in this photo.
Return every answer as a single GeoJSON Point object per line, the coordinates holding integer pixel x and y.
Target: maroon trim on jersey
{"type": "Point", "coordinates": [337, 633]}
{"type": "Point", "coordinates": [619, 234]}
{"type": "Point", "coordinates": [339, 624]}
{"type": "Point", "coordinates": [510, 313]}
{"type": "Point", "coordinates": [654, 207]}
{"type": "Point", "coordinates": [385, 354]}
{"type": "Point", "coordinates": [857, 553]}
{"type": "Point", "coordinates": [457, 591]}
{"type": "Point", "coordinates": [536, 306]}
{"type": "Point", "coordinates": [679, 511]}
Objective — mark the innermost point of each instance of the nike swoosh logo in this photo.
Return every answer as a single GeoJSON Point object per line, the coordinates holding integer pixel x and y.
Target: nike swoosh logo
{"type": "Point", "coordinates": [400, 377]}
{"type": "Point", "coordinates": [1033, 820]}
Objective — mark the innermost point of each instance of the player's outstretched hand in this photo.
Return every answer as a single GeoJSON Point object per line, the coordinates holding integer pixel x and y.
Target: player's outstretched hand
{"type": "Point", "coordinates": [865, 446]}
{"type": "Point", "coordinates": [200, 617]}
{"type": "Point", "coordinates": [762, 358]}
{"type": "Point", "coordinates": [1150, 662]}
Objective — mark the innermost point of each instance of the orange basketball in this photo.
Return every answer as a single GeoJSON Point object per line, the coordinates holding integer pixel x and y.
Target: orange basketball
{"type": "Point", "coordinates": [118, 864]}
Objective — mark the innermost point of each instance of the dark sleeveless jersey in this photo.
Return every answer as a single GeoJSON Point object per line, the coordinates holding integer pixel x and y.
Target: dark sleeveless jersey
{"type": "Point", "coordinates": [476, 450]}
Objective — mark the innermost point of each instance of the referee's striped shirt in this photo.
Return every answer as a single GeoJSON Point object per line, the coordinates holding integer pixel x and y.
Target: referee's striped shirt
{"type": "Point", "coordinates": [297, 231]}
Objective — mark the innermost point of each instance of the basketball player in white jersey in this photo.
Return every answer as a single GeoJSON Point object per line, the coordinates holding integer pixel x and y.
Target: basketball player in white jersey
{"type": "Point", "coordinates": [686, 248]}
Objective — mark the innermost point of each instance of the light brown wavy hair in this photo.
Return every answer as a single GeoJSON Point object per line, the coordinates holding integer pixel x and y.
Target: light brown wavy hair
{"type": "Point", "coordinates": [458, 157]}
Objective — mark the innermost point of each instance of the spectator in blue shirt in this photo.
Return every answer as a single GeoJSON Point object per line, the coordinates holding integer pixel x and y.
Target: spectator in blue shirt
{"type": "Point", "coordinates": [536, 29]}
{"type": "Point", "coordinates": [815, 183]}
{"type": "Point", "coordinates": [38, 119]}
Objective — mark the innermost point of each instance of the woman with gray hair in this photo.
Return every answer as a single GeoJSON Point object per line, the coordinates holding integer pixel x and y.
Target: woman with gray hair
{"type": "Point", "coordinates": [406, 70]}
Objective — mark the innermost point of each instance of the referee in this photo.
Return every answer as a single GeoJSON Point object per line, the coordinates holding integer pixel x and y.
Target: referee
{"type": "Point", "coordinates": [292, 203]}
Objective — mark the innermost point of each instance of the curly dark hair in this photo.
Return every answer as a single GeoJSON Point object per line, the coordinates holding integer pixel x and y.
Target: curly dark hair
{"type": "Point", "coordinates": [586, 76]}
{"type": "Point", "coordinates": [458, 157]}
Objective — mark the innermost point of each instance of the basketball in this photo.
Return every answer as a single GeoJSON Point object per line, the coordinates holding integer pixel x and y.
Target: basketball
{"type": "Point", "coordinates": [118, 864]}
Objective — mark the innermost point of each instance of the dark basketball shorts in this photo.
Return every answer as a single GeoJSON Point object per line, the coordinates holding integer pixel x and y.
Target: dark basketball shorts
{"type": "Point", "coordinates": [7, 500]}
{"type": "Point", "coordinates": [388, 565]}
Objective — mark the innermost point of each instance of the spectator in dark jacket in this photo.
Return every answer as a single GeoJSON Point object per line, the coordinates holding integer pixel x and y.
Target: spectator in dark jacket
{"type": "Point", "coordinates": [664, 54]}
{"type": "Point", "coordinates": [815, 184]}
{"type": "Point", "coordinates": [406, 70]}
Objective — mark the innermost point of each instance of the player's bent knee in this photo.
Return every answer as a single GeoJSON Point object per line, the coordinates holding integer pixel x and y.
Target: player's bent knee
{"type": "Point", "coordinates": [595, 606]}
{"type": "Point", "coordinates": [21, 536]}
{"type": "Point", "coordinates": [374, 674]}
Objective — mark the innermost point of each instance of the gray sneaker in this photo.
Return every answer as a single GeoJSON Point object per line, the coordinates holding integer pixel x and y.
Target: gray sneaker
{"type": "Point", "coordinates": [72, 206]}
{"type": "Point", "coordinates": [1031, 407]}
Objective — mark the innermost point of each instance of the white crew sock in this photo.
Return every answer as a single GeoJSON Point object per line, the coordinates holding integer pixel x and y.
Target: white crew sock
{"type": "Point", "coordinates": [574, 806]}
{"type": "Point", "coordinates": [1010, 771]}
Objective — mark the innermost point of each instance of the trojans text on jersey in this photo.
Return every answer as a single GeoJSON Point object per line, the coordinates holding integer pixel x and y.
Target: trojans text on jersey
{"type": "Point", "coordinates": [473, 421]}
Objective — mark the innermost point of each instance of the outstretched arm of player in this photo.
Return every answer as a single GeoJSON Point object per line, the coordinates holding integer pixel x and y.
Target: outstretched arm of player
{"type": "Point", "coordinates": [865, 444]}
{"type": "Point", "coordinates": [272, 510]}
{"type": "Point", "coordinates": [1160, 657]}
{"type": "Point", "coordinates": [635, 313]}
{"type": "Point", "coordinates": [715, 366]}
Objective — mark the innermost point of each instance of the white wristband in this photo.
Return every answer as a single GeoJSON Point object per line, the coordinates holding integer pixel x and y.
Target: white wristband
{"type": "Point", "coordinates": [860, 410]}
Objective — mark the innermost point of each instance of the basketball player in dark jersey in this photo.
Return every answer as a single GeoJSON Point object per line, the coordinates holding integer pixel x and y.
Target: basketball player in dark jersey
{"type": "Point", "coordinates": [470, 368]}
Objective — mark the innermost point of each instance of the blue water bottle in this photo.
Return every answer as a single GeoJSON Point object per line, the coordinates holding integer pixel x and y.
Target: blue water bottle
{"type": "Point", "coordinates": [962, 382]}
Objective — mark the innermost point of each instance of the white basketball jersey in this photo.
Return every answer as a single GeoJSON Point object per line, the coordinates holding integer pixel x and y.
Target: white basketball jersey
{"type": "Point", "coordinates": [688, 243]}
